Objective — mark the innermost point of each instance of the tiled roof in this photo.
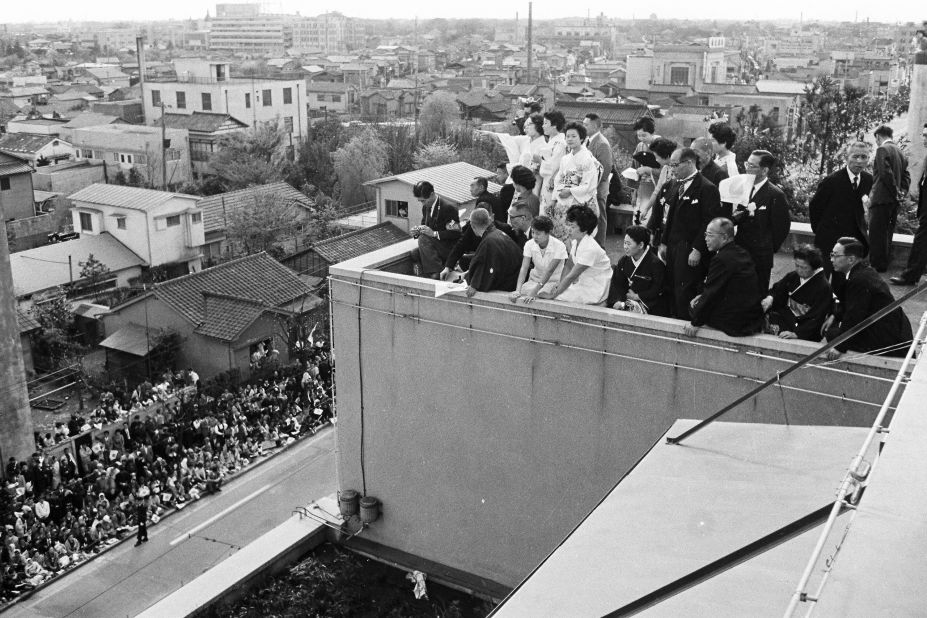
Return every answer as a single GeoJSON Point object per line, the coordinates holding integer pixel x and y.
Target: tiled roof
{"type": "Point", "coordinates": [610, 113]}
{"type": "Point", "coordinates": [226, 316]}
{"type": "Point", "coordinates": [359, 242]}
{"type": "Point", "coordinates": [329, 87]}
{"type": "Point", "coordinates": [256, 278]}
{"type": "Point", "coordinates": [10, 167]}
{"type": "Point", "coordinates": [451, 181]}
{"type": "Point", "coordinates": [46, 267]}
{"type": "Point", "coordinates": [26, 142]}
{"type": "Point", "coordinates": [204, 122]}
{"type": "Point", "coordinates": [26, 322]}
{"type": "Point", "coordinates": [523, 90]}
{"type": "Point", "coordinates": [697, 110]}
{"type": "Point", "coordinates": [217, 207]}
{"type": "Point", "coordinates": [127, 197]}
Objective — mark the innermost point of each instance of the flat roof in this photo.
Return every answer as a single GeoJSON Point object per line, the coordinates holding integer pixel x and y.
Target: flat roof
{"type": "Point", "coordinates": [686, 506]}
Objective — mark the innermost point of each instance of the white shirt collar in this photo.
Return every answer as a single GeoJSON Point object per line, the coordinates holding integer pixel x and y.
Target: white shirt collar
{"type": "Point", "coordinates": [803, 281]}
{"type": "Point", "coordinates": [638, 261]}
{"type": "Point", "coordinates": [759, 186]}
{"type": "Point", "coordinates": [851, 174]}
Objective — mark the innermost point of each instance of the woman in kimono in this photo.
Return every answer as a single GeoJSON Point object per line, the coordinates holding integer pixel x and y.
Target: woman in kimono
{"type": "Point", "coordinates": [531, 156]}
{"type": "Point", "coordinates": [798, 304]}
{"type": "Point", "coordinates": [551, 155]}
{"type": "Point", "coordinates": [576, 181]}
{"type": "Point", "coordinates": [637, 279]}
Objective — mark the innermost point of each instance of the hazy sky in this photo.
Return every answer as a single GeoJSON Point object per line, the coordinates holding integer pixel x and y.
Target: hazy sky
{"type": "Point", "coordinates": [110, 10]}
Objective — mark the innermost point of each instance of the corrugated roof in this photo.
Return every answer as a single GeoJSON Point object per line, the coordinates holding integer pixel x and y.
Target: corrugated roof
{"type": "Point", "coordinates": [132, 339]}
{"type": "Point", "coordinates": [204, 122]}
{"type": "Point", "coordinates": [255, 277]}
{"type": "Point", "coordinates": [216, 208]}
{"type": "Point", "coordinates": [127, 197]}
{"type": "Point", "coordinates": [26, 142]}
{"type": "Point", "coordinates": [359, 242]}
{"type": "Point", "coordinates": [451, 181]}
{"type": "Point", "coordinates": [90, 119]}
{"type": "Point", "coordinates": [46, 267]}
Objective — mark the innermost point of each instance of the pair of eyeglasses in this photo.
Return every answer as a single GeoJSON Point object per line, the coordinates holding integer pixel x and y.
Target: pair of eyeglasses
{"type": "Point", "coordinates": [833, 255]}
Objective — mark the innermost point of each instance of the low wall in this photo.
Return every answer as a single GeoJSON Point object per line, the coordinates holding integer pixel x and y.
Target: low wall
{"type": "Point", "coordinates": [489, 429]}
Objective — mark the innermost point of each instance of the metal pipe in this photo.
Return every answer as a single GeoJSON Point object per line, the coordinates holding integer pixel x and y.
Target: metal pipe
{"type": "Point", "coordinates": [848, 480]}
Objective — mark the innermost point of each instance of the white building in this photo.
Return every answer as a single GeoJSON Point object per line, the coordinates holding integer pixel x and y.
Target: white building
{"type": "Point", "coordinates": [328, 33]}
{"type": "Point", "coordinates": [162, 228]}
{"type": "Point", "coordinates": [205, 86]}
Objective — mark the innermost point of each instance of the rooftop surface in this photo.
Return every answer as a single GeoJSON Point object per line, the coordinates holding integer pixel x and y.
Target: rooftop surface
{"type": "Point", "coordinates": [134, 198]}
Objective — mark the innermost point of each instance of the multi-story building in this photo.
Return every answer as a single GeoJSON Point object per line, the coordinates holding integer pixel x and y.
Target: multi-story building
{"type": "Point", "coordinates": [205, 86]}
{"type": "Point", "coordinates": [328, 33]}
{"type": "Point", "coordinates": [251, 35]}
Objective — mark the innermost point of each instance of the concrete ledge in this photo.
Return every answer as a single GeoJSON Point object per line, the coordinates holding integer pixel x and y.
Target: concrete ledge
{"type": "Point", "coordinates": [800, 233]}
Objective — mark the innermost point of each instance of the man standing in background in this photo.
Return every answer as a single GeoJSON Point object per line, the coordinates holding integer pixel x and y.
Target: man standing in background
{"type": "Point", "coordinates": [600, 148]}
{"type": "Point", "coordinates": [917, 260]}
{"type": "Point", "coordinates": [890, 183]}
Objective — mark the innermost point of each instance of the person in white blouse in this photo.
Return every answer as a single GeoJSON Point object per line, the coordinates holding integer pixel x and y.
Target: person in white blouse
{"type": "Point", "coordinates": [576, 181]}
{"type": "Point", "coordinates": [550, 156]}
{"type": "Point", "coordinates": [531, 156]}
{"type": "Point", "coordinates": [722, 139]}
{"type": "Point", "coordinates": [547, 254]}
{"type": "Point", "coordinates": [589, 279]}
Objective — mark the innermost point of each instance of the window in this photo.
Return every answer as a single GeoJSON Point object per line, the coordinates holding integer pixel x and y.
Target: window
{"type": "Point", "coordinates": [125, 158]}
{"type": "Point", "coordinates": [248, 99]}
{"type": "Point", "coordinates": [89, 154]}
{"type": "Point", "coordinates": [266, 98]}
{"type": "Point", "coordinates": [679, 76]}
{"type": "Point", "coordinates": [200, 151]}
{"type": "Point", "coordinates": [86, 222]}
{"type": "Point", "coordinates": [172, 154]}
{"type": "Point", "coordinates": [196, 217]}
{"type": "Point", "coordinates": [181, 99]}
{"type": "Point", "coordinates": [173, 221]}
{"type": "Point", "coordinates": [396, 208]}
{"type": "Point", "coordinates": [141, 159]}
{"type": "Point", "coordinates": [336, 98]}
{"type": "Point", "coordinates": [288, 123]}
{"type": "Point", "coordinates": [121, 223]}
{"type": "Point", "coordinates": [207, 102]}
{"type": "Point", "coordinates": [116, 157]}
{"type": "Point", "coordinates": [287, 96]}
{"type": "Point", "coordinates": [77, 153]}
{"type": "Point", "coordinates": [156, 98]}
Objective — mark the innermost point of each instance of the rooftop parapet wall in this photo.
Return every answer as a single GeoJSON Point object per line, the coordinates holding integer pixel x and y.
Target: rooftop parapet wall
{"type": "Point", "coordinates": [488, 429]}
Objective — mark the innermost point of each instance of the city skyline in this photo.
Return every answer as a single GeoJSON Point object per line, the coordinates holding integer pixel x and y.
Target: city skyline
{"type": "Point", "coordinates": [904, 11]}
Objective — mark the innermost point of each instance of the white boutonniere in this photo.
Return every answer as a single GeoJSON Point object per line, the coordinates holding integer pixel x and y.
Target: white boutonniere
{"type": "Point", "coordinates": [695, 201]}
{"type": "Point", "coordinates": [751, 209]}
{"type": "Point", "coordinates": [865, 200]}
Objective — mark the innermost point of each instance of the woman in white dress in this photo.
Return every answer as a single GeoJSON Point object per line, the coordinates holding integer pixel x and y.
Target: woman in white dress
{"type": "Point", "coordinates": [550, 156]}
{"type": "Point", "coordinates": [645, 128]}
{"type": "Point", "coordinates": [577, 180]}
{"type": "Point", "coordinates": [531, 156]}
{"type": "Point", "coordinates": [589, 279]}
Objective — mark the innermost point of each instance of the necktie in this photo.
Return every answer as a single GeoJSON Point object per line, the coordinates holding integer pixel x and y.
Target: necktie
{"type": "Point", "coordinates": [752, 191]}
{"type": "Point", "coordinates": [855, 182]}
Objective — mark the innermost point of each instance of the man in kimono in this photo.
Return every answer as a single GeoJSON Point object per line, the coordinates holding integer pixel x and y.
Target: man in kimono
{"type": "Point", "coordinates": [497, 260]}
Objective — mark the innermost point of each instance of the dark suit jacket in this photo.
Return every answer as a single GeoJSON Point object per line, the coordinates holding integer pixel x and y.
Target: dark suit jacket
{"type": "Point", "coordinates": [921, 187]}
{"type": "Point", "coordinates": [498, 213]}
{"type": "Point", "coordinates": [891, 178]}
{"type": "Point", "coordinates": [714, 173]}
{"type": "Point", "coordinates": [469, 241]}
{"type": "Point", "coordinates": [808, 304]}
{"type": "Point", "coordinates": [496, 263]}
{"type": "Point", "coordinates": [602, 151]}
{"type": "Point", "coordinates": [764, 232]}
{"type": "Point", "coordinates": [691, 213]}
{"type": "Point", "coordinates": [864, 294]}
{"type": "Point", "coordinates": [730, 300]}
{"type": "Point", "coordinates": [504, 198]}
{"type": "Point", "coordinates": [646, 282]}
{"type": "Point", "coordinates": [444, 215]}
{"type": "Point", "coordinates": [836, 210]}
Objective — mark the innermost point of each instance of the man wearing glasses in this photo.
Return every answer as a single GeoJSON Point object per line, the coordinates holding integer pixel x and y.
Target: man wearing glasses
{"type": "Point", "coordinates": [917, 260]}
{"type": "Point", "coordinates": [864, 294]}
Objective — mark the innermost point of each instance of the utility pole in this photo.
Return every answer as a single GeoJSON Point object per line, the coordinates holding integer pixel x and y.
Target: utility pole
{"type": "Point", "coordinates": [530, 41]}
{"type": "Point", "coordinates": [163, 151]}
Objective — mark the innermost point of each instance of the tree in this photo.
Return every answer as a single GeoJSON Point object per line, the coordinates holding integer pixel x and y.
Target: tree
{"type": "Point", "coordinates": [438, 114]}
{"type": "Point", "coordinates": [363, 158]}
{"type": "Point", "coordinates": [314, 164]}
{"type": "Point", "coordinates": [135, 178]}
{"type": "Point", "coordinates": [56, 344]}
{"type": "Point", "coordinates": [94, 272]}
{"type": "Point", "coordinates": [401, 142]}
{"type": "Point", "coordinates": [259, 226]}
{"type": "Point", "coordinates": [253, 157]}
{"type": "Point", "coordinates": [437, 152]}
{"type": "Point", "coordinates": [165, 349]}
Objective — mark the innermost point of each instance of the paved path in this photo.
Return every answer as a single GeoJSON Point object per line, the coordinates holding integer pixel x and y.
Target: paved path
{"type": "Point", "coordinates": [126, 580]}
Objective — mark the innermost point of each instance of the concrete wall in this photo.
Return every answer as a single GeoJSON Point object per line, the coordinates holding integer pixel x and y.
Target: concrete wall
{"type": "Point", "coordinates": [67, 180]}
{"type": "Point", "coordinates": [488, 430]}
{"type": "Point", "coordinates": [18, 201]}
{"type": "Point", "coordinates": [31, 232]}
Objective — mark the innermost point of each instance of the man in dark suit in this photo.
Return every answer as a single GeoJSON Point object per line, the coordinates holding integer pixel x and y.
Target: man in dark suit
{"type": "Point", "coordinates": [890, 183]}
{"type": "Point", "coordinates": [497, 260]}
{"type": "Point", "coordinates": [730, 299]}
{"type": "Point", "coordinates": [863, 295]}
{"type": "Point", "coordinates": [764, 223]}
{"type": "Point", "coordinates": [600, 148]}
{"type": "Point", "coordinates": [917, 261]}
{"type": "Point", "coordinates": [692, 204]}
{"type": "Point", "coordinates": [463, 251]}
{"type": "Point", "coordinates": [507, 191]}
{"type": "Point", "coordinates": [709, 169]}
{"type": "Point", "coordinates": [438, 232]}
{"type": "Point", "coordinates": [836, 209]}
{"type": "Point", "coordinates": [479, 189]}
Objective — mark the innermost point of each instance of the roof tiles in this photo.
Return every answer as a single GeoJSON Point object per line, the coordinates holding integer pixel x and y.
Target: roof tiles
{"type": "Point", "coordinates": [359, 242]}
{"type": "Point", "coordinates": [217, 207]}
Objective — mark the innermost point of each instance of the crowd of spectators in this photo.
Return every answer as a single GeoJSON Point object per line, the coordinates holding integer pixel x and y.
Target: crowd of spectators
{"type": "Point", "coordinates": [59, 509]}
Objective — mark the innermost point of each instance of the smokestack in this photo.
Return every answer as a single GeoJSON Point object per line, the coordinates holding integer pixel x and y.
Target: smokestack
{"type": "Point", "coordinates": [530, 41]}
{"type": "Point", "coordinates": [140, 56]}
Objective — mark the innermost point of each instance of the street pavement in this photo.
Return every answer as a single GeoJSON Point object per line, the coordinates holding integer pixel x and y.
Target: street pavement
{"type": "Point", "coordinates": [127, 579]}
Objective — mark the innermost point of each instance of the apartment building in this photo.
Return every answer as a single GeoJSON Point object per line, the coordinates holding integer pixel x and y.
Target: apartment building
{"type": "Point", "coordinates": [251, 35]}
{"type": "Point", "coordinates": [330, 33]}
{"type": "Point", "coordinates": [205, 86]}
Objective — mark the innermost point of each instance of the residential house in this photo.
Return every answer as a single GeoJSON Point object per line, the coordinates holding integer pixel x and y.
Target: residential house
{"type": "Point", "coordinates": [41, 272]}
{"type": "Point", "coordinates": [331, 97]}
{"type": "Point", "coordinates": [205, 130]}
{"type": "Point", "coordinates": [38, 149]}
{"type": "Point", "coordinates": [129, 110]}
{"type": "Point", "coordinates": [219, 209]}
{"type": "Point", "coordinates": [206, 86]}
{"type": "Point", "coordinates": [778, 99]}
{"type": "Point", "coordinates": [23, 96]}
{"type": "Point", "coordinates": [123, 147]}
{"type": "Point", "coordinates": [397, 205]}
{"type": "Point", "coordinates": [315, 260]}
{"type": "Point", "coordinates": [104, 76]}
{"type": "Point", "coordinates": [164, 229]}
{"type": "Point", "coordinates": [223, 314]}
{"type": "Point", "coordinates": [8, 111]}
{"type": "Point", "coordinates": [88, 119]}
{"type": "Point", "coordinates": [386, 104]}
{"type": "Point", "coordinates": [24, 227]}
{"type": "Point", "coordinates": [37, 125]}
{"type": "Point", "coordinates": [67, 178]}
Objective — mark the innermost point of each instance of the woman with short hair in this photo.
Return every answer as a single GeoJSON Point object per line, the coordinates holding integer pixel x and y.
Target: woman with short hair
{"type": "Point", "coordinates": [588, 280]}
{"type": "Point", "coordinates": [576, 181]}
{"type": "Point", "coordinates": [546, 253]}
{"type": "Point", "coordinates": [551, 154]}
{"type": "Point", "coordinates": [798, 304]}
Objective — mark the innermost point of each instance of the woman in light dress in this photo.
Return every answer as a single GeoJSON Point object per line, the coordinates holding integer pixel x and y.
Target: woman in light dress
{"type": "Point", "coordinates": [576, 181]}
{"type": "Point", "coordinates": [645, 128]}
{"type": "Point", "coordinates": [589, 279]}
{"type": "Point", "coordinates": [531, 156]}
{"type": "Point", "coordinates": [551, 155]}
{"type": "Point", "coordinates": [546, 254]}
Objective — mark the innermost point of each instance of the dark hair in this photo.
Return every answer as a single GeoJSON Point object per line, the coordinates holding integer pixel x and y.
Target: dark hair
{"type": "Point", "coordinates": [538, 121]}
{"type": "Point", "coordinates": [645, 123]}
{"type": "Point", "coordinates": [687, 154]}
{"type": "Point", "coordinates": [810, 254]}
{"type": "Point", "coordinates": [534, 106]}
{"type": "Point", "coordinates": [594, 117]}
{"type": "Point", "coordinates": [555, 117]}
{"type": "Point", "coordinates": [663, 147]}
{"type": "Point", "coordinates": [725, 225]}
{"type": "Point", "coordinates": [767, 159]}
{"type": "Point", "coordinates": [578, 127]}
{"type": "Point", "coordinates": [638, 234]}
{"type": "Point", "coordinates": [543, 224]}
{"type": "Point", "coordinates": [423, 189]}
{"type": "Point", "coordinates": [852, 246]}
{"type": "Point", "coordinates": [523, 177]}
{"type": "Point", "coordinates": [723, 134]}
{"type": "Point", "coordinates": [502, 164]}
{"type": "Point", "coordinates": [584, 218]}
{"type": "Point", "coordinates": [884, 131]}
{"type": "Point", "coordinates": [485, 205]}
{"type": "Point", "coordinates": [482, 182]}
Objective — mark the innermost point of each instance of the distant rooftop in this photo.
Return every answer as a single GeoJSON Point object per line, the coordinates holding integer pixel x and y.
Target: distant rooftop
{"type": "Point", "coordinates": [451, 181]}
{"type": "Point", "coordinates": [133, 198]}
